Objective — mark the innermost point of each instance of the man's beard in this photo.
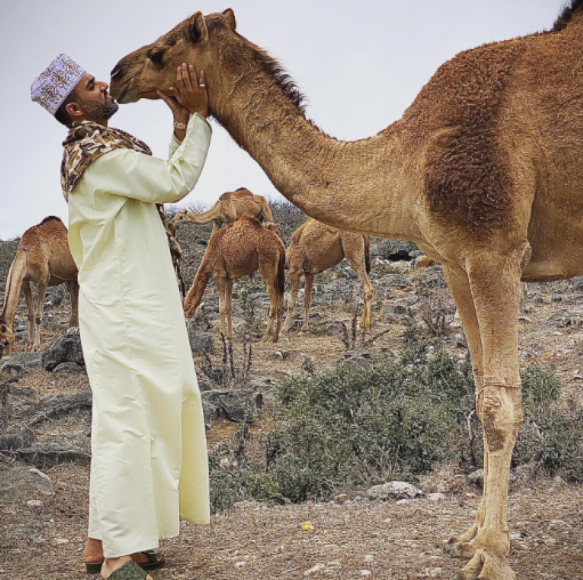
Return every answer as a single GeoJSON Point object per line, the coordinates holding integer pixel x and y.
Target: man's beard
{"type": "Point", "coordinates": [99, 111]}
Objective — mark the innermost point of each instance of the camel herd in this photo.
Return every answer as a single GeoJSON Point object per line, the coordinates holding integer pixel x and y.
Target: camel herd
{"type": "Point", "coordinates": [244, 240]}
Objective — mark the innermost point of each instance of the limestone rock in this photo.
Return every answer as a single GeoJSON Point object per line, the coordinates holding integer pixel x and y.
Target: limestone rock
{"type": "Point", "coordinates": [24, 483]}
{"type": "Point", "coordinates": [240, 406]}
{"type": "Point", "coordinates": [66, 348]}
{"type": "Point", "coordinates": [395, 490]}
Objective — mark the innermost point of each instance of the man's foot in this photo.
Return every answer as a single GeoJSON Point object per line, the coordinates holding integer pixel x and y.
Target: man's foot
{"type": "Point", "coordinates": [110, 565]}
{"type": "Point", "coordinates": [93, 554]}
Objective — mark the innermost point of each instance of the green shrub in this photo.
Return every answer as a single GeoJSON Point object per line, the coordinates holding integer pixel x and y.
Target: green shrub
{"type": "Point", "coordinates": [393, 417]}
{"type": "Point", "coordinates": [551, 436]}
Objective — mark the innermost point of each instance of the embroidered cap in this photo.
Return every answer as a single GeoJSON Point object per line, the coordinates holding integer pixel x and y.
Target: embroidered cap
{"type": "Point", "coordinates": [56, 82]}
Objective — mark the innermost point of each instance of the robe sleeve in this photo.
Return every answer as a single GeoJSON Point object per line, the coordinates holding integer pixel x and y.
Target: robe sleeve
{"type": "Point", "coordinates": [127, 173]}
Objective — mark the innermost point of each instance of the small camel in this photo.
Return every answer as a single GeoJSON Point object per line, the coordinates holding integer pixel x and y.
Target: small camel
{"type": "Point", "coordinates": [315, 247]}
{"type": "Point", "coordinates": [231, 206]}
{"type": "Point", "coordinates": [237, 250]}
{"type": "Point", "coordinates": [42, 258]}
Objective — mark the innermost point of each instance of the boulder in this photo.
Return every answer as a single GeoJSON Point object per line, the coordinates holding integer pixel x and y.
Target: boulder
{"type": "Point", "coordinates": [240, 406]}
{"type": "Point", "coordinates": [395, 490]}
{"type": "Point", "coordinates": [24, 483]}
{"type": "Point", "coordinates": [200, 339]}
{"type": "Point", "coordinates": [66, 348]}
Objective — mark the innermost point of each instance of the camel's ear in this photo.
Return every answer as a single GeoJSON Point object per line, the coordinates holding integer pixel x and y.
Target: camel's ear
{"type": "Point", "coordinates": [197, 29]}
{"type": "Point", "coordinates": [230, 18]}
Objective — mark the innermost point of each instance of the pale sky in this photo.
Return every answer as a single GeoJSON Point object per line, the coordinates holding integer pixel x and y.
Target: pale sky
{"type": "Point", "coordinates": [359, 63]}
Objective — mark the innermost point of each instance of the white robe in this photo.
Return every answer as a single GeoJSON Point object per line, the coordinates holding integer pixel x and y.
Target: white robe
{"type": "Point", "coordinates": [149, 457]}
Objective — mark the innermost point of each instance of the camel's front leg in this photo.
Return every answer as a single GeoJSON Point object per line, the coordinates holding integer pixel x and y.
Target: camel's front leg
{"type": "Point", "coordinates": [41, 288]}
{"type": "Point", "coordinates": [220, 283]}
{"type": "Point", "coordinates": [26, 290]}
{"type": "Point", "coordinates": [229, 307]}
{"type": "Point", "coordinates": [307, 300]}
{"type": "Point", "coordinates": [459, 285]}
{"type": "Point", "coordinates": [294, 279]}
{"type": "Point", "coordinates": [73, 288]}
{"type": "Point", "coordinates": [494, 282]}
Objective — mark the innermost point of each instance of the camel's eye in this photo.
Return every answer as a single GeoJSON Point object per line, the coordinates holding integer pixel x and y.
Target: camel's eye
{"type": "Point", "coordinates": [156, 56]}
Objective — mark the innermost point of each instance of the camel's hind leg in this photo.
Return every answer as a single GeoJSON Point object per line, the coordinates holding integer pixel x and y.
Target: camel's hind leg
{"type": "Point", "coordinates": [355, 251]}
{"type": "Point", "coordinates": [27, 291]}
{"type": "Point", "coordinates": [73, 288]}
{"type": "Point", "coordinates": [268, 271]}
{"type": "Point", "coordinates": [494, 281]}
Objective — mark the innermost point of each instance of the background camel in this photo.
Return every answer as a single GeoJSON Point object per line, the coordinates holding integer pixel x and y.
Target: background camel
{"type": "Point", "coordinates": [482, 172]}
{"type": "Point", "coordinates": [231, 206]}
{"type": "Point", "coordinates": [237, 250]}
{"type": "Point", "coordinates": [42, 258]}
{"type": "Point", "coordinates": [315, 247]}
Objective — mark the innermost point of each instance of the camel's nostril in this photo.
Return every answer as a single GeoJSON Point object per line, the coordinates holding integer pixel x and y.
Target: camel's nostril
{"type": "Point", "coordinates": [116, 71]}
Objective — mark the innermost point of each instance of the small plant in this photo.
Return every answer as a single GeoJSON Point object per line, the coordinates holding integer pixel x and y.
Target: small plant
{"type": "Point", "coordinates": [229, 374]}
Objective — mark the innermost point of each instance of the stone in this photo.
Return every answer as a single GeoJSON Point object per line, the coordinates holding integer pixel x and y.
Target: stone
{"type": "Point", "coordinates": [67, 367]}
{"type": "Point", "coordinates": [24, 483]}
{"type": "Point", "coordinates": [395, 490]}
{"type": "Point", "coordinates": [436, 497]}
{"type": "Point", "coordinates": [240, 406]}
{"type": "Point", "coordinates": [200, 339]}
{"type": "Point", "coordinates": [66, 348]}
{"type": "Point", "coordinates": [476, 478]}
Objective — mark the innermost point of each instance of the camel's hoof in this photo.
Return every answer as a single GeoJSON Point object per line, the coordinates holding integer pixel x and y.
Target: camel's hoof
{"type": "Point", "coordinates": [484, 566]}
{"type": "Point", "coordinates": [457, 549]}
{"type": "Point", "coordinates": [460, 546]}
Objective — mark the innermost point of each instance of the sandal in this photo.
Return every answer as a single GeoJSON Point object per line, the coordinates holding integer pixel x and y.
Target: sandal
{"type": "Point", "coordinates": [129, 571]}
{"type": "Point", "coordinates": [155, 560]}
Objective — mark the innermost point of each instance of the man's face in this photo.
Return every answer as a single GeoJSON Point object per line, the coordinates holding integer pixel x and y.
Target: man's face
{"type": "Point", "coordinates": [94, 100]}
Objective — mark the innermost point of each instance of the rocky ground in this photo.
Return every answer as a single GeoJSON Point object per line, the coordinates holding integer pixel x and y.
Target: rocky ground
{"type": "Point", "coordinates": [45, 425]}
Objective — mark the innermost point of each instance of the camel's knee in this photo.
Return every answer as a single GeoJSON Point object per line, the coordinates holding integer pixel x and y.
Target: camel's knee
{"type": "Point", "coordinates": [500, 411]}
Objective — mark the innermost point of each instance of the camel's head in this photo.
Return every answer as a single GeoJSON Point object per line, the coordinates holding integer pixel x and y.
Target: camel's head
{"type": "Point", "coordinates": [6, 338]}
{"type": "Point", "coordinates": [181, 217]}
{"type": "Point", "coordinates": [272, 227]}
{"type": "Point", "coordinates": [193, 41]}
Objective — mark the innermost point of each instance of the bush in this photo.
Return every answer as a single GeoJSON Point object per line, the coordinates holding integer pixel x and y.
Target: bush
{"type": "Point", "coordinates": [394, 417]}
{"type": "Point", "coordinates": [551, 436]}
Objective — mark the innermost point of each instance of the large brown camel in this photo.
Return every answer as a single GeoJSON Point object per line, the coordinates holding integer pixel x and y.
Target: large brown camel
{"type": "Point", "coordinates": [42, 258]}
{"type": "Point", "coordinates": [240, 249]}
{"type": "Point", "coordinates": [231, 206]}
{"type": "Point", "coordinates": [315, 247]}
{"type": "Point", "coordinates": [482, 172]}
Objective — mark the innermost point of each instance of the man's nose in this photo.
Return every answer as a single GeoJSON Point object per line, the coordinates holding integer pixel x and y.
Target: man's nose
{"type": "Point", "coordinates": [104, 85]}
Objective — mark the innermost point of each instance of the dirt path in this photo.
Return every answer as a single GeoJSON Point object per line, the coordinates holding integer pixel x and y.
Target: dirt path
{"type": "Point", "coordinates": [253, 541]}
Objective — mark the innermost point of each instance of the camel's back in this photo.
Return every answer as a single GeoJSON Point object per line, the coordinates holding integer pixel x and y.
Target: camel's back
{"type": "Point", "coordinates": [51, 228]}
{"type": "Point", "coordinates": [488, 120]}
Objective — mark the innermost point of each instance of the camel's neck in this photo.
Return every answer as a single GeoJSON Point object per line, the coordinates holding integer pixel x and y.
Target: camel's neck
{"type": "Point", "coordinates": [355, 186]}
{"type": "Point", "coordinates": [13, 286]}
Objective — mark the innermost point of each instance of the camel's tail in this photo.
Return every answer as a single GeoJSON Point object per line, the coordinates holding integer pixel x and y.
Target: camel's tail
{"type": "Point", "coordinates": [196, 290]}
{"type": "Point", "coordinates": [367, 254]}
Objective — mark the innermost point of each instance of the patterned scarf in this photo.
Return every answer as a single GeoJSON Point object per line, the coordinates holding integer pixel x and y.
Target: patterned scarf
{"type": "Point", "coordinates": [86, 142]}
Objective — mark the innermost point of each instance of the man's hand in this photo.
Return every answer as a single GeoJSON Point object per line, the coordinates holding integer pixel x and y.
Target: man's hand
{"type": "Point", "coordinates": [190, 90]}
{"type": "Point", "coordinates": [190, 97]}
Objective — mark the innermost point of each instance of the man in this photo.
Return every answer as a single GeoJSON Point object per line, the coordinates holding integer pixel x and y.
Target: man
{"type": "Point", "coordinates": [149, 461]}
